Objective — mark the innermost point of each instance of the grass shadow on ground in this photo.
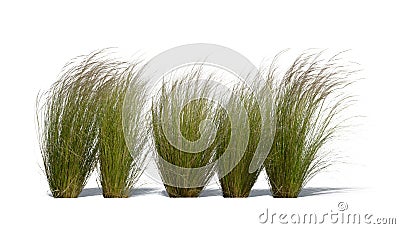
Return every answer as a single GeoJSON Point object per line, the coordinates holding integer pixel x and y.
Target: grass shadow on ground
{"type": "Point", "coordinates": [311, 191]}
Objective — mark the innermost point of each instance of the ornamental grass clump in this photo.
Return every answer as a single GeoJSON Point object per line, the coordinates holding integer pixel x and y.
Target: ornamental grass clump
{"type": "Point", "coordinates": [184, 137]}
{"type": "Point", "coordinates": [308, 103]}
{"type": "Point", "coordinates": [121, 131]}
{"type": "Point", "coordinates": [67, 117]}
{"type": "Point", "coordinates": [239, 181]}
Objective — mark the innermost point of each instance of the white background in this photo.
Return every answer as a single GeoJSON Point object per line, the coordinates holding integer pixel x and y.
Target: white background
{"type": "Point", "coordinates": [39, 37]}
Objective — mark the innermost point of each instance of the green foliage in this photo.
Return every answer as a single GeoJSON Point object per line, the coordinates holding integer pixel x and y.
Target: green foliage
{"type": "Point", "coordinates": [119, 169]}
{"type": "Point", "coordinates": [85, 118]}
{"type": "Point", "coordinates": [308, 102]}
{"type": "Point", "coordinates": [238, 182]}
{"type": "Point", "coordinates": [186, 123]}
{"type": "Point", "coordinates": [67, 117]}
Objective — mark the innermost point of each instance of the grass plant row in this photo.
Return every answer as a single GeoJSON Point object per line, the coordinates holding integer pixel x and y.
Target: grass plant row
{"type": "Point", "coordinates": [99, 114]}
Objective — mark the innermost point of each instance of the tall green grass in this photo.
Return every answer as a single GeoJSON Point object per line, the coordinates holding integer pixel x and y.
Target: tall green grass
{"type": "Point", "coordinates": [119, 169]}
{"type": "Point", "coordinates": [182, 116]}
{"type": "Point", "coordinates": [309, 101]}
{"type": "Point", "coordinates": [239, 181]}
{"type": "Point", "coordinates": [67, 117]}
